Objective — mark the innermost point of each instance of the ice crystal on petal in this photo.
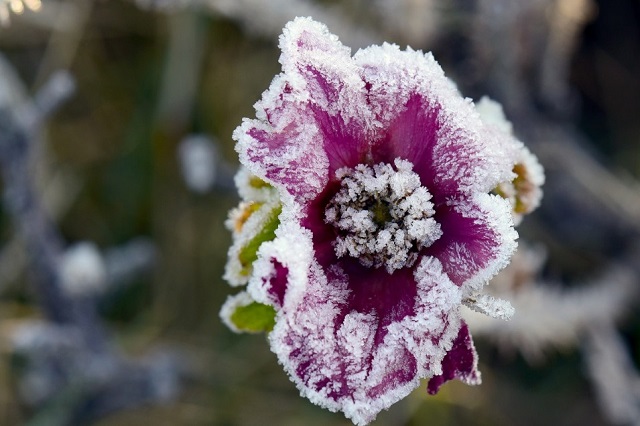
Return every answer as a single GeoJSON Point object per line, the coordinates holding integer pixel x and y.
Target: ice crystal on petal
{"type": "Point", "coordinates": [490, 306]}
{"type": "Point", "coordinates": [385, 224]}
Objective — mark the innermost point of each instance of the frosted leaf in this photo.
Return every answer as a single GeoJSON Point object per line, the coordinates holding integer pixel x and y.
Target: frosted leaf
{"type": "Point", "coordinates": [243, 314]}
{"type": "Point", "coordinates": [252, 224]}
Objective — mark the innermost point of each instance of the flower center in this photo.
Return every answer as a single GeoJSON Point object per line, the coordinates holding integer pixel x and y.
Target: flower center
{"type": "Point", "coordinates": [383, 215]}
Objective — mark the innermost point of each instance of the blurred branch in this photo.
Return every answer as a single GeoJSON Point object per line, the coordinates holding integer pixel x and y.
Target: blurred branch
{"type": "Point", "coordinates": [41, 238]}
{"type": "Point", "coordinates": [554, 316]}
{"type": "Point", "coordinates": [74, 347]}
{"type": "Point", "coordinates": [267, 18]}
{"type": "Point", "coordinates": [615, 379]}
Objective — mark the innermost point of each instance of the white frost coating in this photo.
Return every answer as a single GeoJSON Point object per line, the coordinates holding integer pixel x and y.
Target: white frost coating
{"type": "Point", "coordinates": [384, 215]}
{"type": "Point", "coordinates": [489, 305]}
{"type": "Point", "coordinates": [491, 113]}
{"type": "Point", "coordinates": [463, 154]}
{"type": "Point", "coordinates": [318, 75]}
{"type": "Point", "coordinates": [244, 229]}
{"type": "Point", "coordinates": [82, 270]}
{"type": "Point", "coordinates": [232, 303]}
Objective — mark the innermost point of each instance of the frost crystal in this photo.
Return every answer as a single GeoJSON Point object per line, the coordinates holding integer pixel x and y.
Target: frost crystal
{"type": "Point", "coordinates": [367, 221]}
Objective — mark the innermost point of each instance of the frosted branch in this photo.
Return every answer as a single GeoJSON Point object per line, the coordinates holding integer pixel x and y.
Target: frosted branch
{"type": "Point", "coordinates": [615, 379]}
{"type": "Point", "coordinates": [549, 316]}
{"type": "Point", "coordinates": [266, 18]}
{"type": "Point", "coordinates": [72, 350]}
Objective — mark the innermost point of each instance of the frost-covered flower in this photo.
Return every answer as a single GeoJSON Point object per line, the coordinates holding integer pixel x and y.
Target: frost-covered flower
{"type": "Point", "coordinates": [367, 220]}
{"type": "Point", "coordinates": [524, 192]}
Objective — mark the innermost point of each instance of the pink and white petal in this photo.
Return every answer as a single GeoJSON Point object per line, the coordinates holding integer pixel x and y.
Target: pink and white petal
{"type": "Point", "coordinates": [317, 65]}
{"type": "Point", "coordinates": [314, 117]}
{"type": "Point", "coordinates": [358, 361]}
{"type": "Point", "coordinates": [478, 240]}
{"type": "Point", "coordinates": [429, 123]}
{"type": "Point", "coordinates": [285, 152]}
{"type": "Point", "coordinates": [461, 363]}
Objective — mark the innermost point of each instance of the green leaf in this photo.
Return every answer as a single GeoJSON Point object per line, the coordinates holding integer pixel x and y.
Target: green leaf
{"type": "Point", "coordinates": [249, 252]}
{"type": "Point", "coordinates": [258, 183]}
{"type": "Point", "coordinates": [254, 317]}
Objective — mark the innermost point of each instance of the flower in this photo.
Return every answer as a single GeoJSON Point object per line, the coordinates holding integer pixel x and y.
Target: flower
{"type": "Point", "coordinates": [524, 191]}
{"type": "Point", "coordinates": [367, 220]}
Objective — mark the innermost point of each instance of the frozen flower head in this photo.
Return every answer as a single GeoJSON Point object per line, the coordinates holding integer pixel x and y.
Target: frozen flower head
{"type": "Point", "coordinates": [524, 191]}
{"type": "Point", "coordinates": [367, 220]}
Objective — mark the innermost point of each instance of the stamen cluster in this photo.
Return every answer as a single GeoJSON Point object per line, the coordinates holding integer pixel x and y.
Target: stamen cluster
{"type": "Point", "coordinates": [383, 215]}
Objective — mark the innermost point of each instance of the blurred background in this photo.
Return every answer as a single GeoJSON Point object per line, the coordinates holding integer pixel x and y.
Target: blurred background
{"type": "Point", "coordinates": [117, 162]}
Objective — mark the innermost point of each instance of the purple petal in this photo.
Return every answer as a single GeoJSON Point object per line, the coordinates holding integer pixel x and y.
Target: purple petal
{"type": "Point", "coordinates": [461, 363]}
{"type": "Point", "coordinates": [412, 135]}
{"type": "Point", "coordinates": [323, 234]}
{"type": "Point", "coordinates": [284, 151]}
{"type": "Point", "coordinates": [276, 284]}
{"type": "Point", "coordinates": [314, 117]}
{"type": "Point", "coordinates": [429, 123]}
{"type": "Point", "coordinates": [358, 340]}
{"type": "Point", "coordinates": [478, 240]}
{"type": "Point", "coordinates": [346, 144]}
